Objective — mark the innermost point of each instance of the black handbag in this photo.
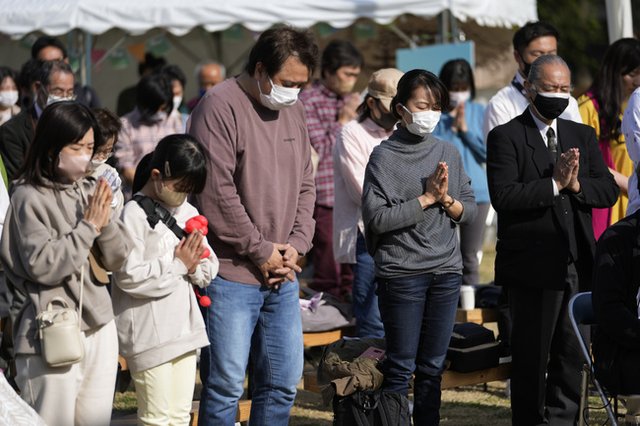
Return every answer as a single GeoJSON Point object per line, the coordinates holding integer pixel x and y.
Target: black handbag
{"type": "Point", "coordinates": [371, 408]}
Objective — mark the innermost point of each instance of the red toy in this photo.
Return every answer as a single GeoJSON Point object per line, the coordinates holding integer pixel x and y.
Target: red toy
{"type": "Point", "coordinates": [199, 223]}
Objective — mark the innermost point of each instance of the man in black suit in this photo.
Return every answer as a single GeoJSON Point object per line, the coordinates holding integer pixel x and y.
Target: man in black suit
{"type": "Point", "coordinates": [545, 175]}
{"type": "Point", "coordinates": [54, 82]}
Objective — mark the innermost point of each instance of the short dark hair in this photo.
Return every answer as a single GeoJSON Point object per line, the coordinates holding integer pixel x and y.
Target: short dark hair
{"type": "Point", "coordinates": [8, 72]}
{"type": "Point", "coordinates": [26, 77]}
{"type": "Point", "coordinates": [531, 31]}
{"type": "Point", "coordinates": [175, 73]}
{"type": "Point", "coordinates": [47, 68]}
{"type": "Point", "coordinates": [110, 125]}
{"type": "Point", "coordinates": [47, 41]}
{"type": "Point", "coordinates": [61, 124]}
{"type": "Point", "coordinates": [151, 63]}
{"type": "Point", "coordinates": [153, 91]}
{"type": "Point", "coordinates": [340, 53]}
{"type": "Point", "coordinates": [276, 45]}
{"type": "Point", "coordinates": [419, 78]}
{"type": "Point", "coordinates": [182, 156]}
{"type": "Point", "coordinates": [458, 71]}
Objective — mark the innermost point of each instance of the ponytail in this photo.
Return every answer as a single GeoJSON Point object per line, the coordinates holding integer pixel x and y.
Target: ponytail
{"type": "Point", "coordinates": [143, 171]}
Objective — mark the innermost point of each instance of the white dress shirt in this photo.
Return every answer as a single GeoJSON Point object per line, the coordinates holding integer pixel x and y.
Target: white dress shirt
{"type": "Point", "coordinates": [631, 130]}
{"type": "Point", "coordinates": [510, 102]}
{"type": "Point", "coordinates": [543, 128]}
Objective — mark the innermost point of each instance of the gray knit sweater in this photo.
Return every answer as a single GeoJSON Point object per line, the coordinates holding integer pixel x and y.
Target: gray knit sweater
{"type": "Point", "coordinates": [403, 238]}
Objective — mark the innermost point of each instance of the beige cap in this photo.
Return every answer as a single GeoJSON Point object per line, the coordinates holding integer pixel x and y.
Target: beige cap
{"type": "Point", "coordinates": [383, 85]}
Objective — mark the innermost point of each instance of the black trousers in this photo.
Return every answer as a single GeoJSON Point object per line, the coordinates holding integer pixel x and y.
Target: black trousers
{"type": "Point", "coordinates": [547, 362]}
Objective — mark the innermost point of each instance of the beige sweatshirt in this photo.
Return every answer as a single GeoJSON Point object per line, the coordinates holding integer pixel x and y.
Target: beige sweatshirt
{"type": "Point", "coordinates": [44, 244]}
{"type": "Point", "coordinates": [157, 314]}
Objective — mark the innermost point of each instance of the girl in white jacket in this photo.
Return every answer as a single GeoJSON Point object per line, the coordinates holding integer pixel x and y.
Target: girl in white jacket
{"type": "Point", "coordinates": [159, 323]}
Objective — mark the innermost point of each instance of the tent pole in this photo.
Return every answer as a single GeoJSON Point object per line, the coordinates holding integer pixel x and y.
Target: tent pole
{"type": "Point", "coordinates": [443, 23]}
{"type": "Point", "coordinates": [86, 56]}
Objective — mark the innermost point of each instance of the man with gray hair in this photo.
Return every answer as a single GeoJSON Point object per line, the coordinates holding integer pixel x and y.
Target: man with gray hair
{"type": "Point", "coordinates": [54, 83]}
{"type": "Point", "coordinates": [208, 73]}
{"type": "Point", "coordinates": [545, 175]}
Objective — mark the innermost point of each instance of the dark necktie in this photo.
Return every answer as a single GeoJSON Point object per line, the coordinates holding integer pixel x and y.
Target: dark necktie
{"type": "Point", "coordinates": [552, 144]}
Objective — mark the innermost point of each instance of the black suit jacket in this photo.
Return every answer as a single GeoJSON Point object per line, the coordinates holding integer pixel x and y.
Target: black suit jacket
{"type": "Point", "coordinates": [16, 136]}
{"type": "Point", "coordinates": [533, 244]}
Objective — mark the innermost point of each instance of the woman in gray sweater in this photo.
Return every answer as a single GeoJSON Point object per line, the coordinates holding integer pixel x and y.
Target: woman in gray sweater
{"type": "Point", "coordinates": [415, 194]}
{"type": "Point", "coordinates": [57, 214]}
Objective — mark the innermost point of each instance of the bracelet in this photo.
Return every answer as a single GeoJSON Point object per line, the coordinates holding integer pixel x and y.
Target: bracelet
{"type": "Point", "coordinates": [449, 204]}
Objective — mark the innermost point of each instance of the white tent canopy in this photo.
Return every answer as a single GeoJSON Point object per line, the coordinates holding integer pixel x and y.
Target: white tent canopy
{"type": "Point", "coordinates": [56, 17]}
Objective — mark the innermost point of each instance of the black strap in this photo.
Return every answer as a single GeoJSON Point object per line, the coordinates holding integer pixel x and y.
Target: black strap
{"type": "Point", "coordinates": [515, 83]}
{"type": "Point", "coordinates": [156, 213]}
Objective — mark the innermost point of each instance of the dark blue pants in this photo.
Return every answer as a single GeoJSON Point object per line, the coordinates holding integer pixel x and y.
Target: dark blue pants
{"type": "Point", "coordinates": [418, 313]}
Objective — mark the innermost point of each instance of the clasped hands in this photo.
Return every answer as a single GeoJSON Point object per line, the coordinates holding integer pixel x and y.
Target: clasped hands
{"type": "Point", "coordinates": [281, 266]}
{"type": "Point", "coordinates": [437, 188]}
{"type": "Point", "coordinates": [565, 172]}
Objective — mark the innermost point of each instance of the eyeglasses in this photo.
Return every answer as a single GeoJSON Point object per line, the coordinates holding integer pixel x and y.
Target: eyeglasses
{"type": "Point", "coordinates": [103, 155]}
{"type": "Point", "coordinates": [57, 91]}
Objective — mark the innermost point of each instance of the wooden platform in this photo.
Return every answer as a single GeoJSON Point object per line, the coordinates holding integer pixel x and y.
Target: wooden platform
{"type": "Point", "coordinates": [322, 338]}
{"type": "Point", "coordinates": [244, 408]}
{"type": "Point", "coordinates": [478, 315]}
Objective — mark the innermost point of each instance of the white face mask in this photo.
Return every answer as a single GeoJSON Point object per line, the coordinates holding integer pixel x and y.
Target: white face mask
{"type": "Point", "coordinates": [177, 100]}
{"type": "Point", "coordinates": [423, 122]}
{"type": "Point", "coordinates": [280, 96]}
{"type": "Point", "coordinates": [457, 98]}
{"type": "Point", "coordinates": [8, 98]}
{"type": "Point", "coordinates": [159, 116]}
{"type": "Point", "coordinates": [51, 99]}
{"type": "Point", "coordinates": [97, 163]}
{"type": "Point", "coordinates": [73, 167]}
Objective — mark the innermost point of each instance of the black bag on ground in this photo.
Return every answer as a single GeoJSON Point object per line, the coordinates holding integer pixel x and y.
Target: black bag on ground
{"type": "Point", "coordinates": [472, 347]}
{"type": "Point", "coordinates": [371, 408]}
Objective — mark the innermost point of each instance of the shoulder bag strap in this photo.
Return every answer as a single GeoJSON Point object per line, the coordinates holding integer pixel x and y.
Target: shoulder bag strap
{"type": "Point", "coordinates": [156, 213]}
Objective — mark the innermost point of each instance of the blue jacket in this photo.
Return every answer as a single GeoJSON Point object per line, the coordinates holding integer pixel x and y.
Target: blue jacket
{"type": "Point", "coordinates": [470, 145]}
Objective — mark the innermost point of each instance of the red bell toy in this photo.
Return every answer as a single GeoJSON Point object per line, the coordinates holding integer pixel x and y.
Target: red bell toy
{"type": "Point", "coordinates": [199, 223]}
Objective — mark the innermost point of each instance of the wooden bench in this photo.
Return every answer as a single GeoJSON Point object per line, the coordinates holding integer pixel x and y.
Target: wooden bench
{"type": "Point", "coordinates": [477, 315]}
{"type": "Point", "coordinates": [323, 338]}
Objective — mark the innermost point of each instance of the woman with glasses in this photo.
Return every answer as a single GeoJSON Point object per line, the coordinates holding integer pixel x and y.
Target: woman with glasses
{"type": "Point", "coordinates": [110, 125]}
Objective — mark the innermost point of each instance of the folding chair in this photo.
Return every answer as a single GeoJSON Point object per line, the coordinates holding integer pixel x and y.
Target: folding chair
{"type": "Point", "coordinates": [581, 313]}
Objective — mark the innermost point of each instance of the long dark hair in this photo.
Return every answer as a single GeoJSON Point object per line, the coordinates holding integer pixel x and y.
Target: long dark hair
{"type": "Point", "coordinates": [621, 58]}
{"type": "Point", "coordinates": [458, 71]}
{"type": "Point", "coordinates": [179, 157]}
{"type": "Point", "coordinates": [61, 124]}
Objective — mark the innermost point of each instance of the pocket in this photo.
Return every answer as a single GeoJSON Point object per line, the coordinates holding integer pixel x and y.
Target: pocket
{"type": "Point", "coordinates": [408, 289]}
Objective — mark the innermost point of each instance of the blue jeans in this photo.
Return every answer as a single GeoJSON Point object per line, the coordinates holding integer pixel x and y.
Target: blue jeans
{"type": "Point", "coordinates": [418, 313]}
{"type": "Point", "coordinates": [365, 300]}
{"type": "Point", "coordinates": [244, 319]}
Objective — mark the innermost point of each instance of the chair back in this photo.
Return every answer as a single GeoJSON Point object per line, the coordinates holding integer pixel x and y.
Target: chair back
{"type": "Point", "coordinates": [581, 309]}
{"type": "Point", "coordinates": [581, 313]}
